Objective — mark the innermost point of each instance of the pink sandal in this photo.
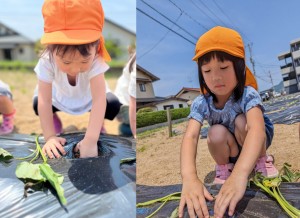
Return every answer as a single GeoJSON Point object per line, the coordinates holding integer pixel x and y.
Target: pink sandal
{"type": "Point", "coordinates": [265, 166]}
{"type": "Point", "coordinates": [7, 125]}
{"type": "Point", "coordinates": [222, 173]}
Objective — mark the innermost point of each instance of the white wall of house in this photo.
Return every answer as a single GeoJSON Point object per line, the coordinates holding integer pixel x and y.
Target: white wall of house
{"type": "Point", "coordinates": [175, 103]}
{"type": "Point", "coordinates": [123, 37]}
{"type": "Point", "coordinates": [24, 52]}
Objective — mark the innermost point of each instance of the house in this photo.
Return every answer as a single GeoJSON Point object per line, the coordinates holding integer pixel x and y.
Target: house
{"type": "Point", "coordinates": [121, 35]}
{"type": "Point", "coordinates": [170, 102]}
{"type": "Point", "coordinates": [146, 96]}
{"type": "Point", "coordinates": [16, 46]}
{"type": "Point", "coordinates": [144, 90]}
{"type": "Point", "coordinates": [188, 93]}
{"type": "Point", "coordinates": [290, 67]}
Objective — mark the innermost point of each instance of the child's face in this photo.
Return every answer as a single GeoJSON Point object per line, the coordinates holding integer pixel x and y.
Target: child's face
{"type": "Point", "coordinates": [219, 77]}
{"type": "Point", "coordinates": [73, 63]}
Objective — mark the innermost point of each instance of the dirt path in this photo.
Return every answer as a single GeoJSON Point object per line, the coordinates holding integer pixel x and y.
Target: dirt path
{"type": "Point", "coordinates": [159, 163]}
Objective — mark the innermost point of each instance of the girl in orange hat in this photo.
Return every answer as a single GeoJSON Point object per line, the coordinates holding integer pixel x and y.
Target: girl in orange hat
{"type": "Point", "coordinates": [7, 109]}
{"type": "Point", "coordinates": [71, 73]}
{"type": "Point", "coordinates": [239, 131]}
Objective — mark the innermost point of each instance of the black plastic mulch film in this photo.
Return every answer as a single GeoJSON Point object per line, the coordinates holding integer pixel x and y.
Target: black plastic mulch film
{"type": "Point", "coordinates": [283, 110]}
{"type": "Point", "coordinates": [93, 187]}
{"type": "Point", "coordinates": [254, 204]}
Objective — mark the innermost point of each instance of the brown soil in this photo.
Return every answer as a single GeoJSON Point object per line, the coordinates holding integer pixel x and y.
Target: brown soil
{"type": "Point", "coordinates": [159, 156]}
{"type": "Point", "coordinates": [26, 122]}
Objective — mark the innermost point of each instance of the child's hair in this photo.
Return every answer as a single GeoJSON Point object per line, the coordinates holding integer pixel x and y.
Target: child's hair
{"type": "Point", "coordinates": [61, 50]}
{"type": "Point", "coordinates": [239, 68]}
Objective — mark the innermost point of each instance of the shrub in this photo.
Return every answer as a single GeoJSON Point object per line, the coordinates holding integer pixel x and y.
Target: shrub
{"type": "Point", "coordinates": [151, 118]}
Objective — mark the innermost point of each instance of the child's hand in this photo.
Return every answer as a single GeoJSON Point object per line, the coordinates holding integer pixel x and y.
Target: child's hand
{"type": "Point", "coordinates": [51, 146]}
{"type": "Point", "coordinates": [86, 151]}
{"type": "Point", "coordinates": [230, 194]}
{"type": "Point", "coordinates": [193, 195]}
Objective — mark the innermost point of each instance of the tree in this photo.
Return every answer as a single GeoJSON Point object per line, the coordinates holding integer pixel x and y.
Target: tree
{"type": "Point", "coordinates": [113, 47]}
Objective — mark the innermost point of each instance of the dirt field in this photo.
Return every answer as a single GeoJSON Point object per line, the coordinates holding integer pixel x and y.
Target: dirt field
{"type": "Point", "coordinates": [159, 163]}
{"type": "Point", "coordinates": [26, 122]}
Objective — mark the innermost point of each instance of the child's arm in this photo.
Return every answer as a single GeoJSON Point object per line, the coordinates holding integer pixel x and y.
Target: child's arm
{"type": "Point", "coordinates": [193, 191]}
{"type": "Point", "coordinates": [235, 186]}
{"type": "Point", "coordinates": [88, 146]}
{"type": "Point", "coordinates": [46, 118]}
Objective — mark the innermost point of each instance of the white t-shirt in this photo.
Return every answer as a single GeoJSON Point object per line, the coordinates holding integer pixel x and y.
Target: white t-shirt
{"type": "Point", "coordinates": [126, 85]}
{"type": "Point", "coordinates": [70, 99]}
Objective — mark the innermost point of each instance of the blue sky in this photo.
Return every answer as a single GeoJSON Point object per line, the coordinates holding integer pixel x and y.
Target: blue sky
{"type": "Point", "coordinates": [269, 26]}
{"type": "Point", "coordinates": [25, 16]}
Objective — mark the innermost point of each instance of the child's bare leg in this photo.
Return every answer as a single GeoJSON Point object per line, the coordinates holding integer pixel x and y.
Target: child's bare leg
{"type": "Point", "coordinates": [241, 130]}
{"type": "Point", "coordinates": [6, 105]}
{"type": "Point", "coordinates": [221, 144]}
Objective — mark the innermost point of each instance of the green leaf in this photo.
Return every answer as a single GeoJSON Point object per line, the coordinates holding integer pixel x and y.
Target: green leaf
{"type": "Point", "coordinates": [5, 155]}
{"type": "Point", "coordinates": [27, 170]}
{"type": "Point", "coordinates": [55, 180]}
{"type": "Point", "coordinates": [127, 160]}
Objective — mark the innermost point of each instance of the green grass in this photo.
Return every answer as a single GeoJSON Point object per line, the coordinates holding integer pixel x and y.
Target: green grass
{"type": "Point", "coordinates": [141, 149]}
{"type": "Point", "coordinates": [148, 133]}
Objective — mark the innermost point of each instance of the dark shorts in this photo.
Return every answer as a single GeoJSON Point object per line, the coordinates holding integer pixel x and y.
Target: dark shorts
{"type": "Point", "coordinates": [269, 133]}
{"type": "Point", "coordinates": [112, 107]}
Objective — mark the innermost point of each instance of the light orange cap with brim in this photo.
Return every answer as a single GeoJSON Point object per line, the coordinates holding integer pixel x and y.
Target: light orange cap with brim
{"type": "Point", "coordinates": [226, 40]}
{"type": "Point", "coordinates": [74, 22]}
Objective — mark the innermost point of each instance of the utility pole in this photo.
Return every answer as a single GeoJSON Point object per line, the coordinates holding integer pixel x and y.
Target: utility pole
{"type": "Point", "coordinates": [270, 75]}
{"type": "Point", "coordinates": [251, 59]}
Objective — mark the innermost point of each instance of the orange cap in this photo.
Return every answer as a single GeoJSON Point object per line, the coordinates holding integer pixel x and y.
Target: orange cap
{"type": "Point", "coordinates": [74, 22]}
{"type": "Point", "coordinates": [226, 40]}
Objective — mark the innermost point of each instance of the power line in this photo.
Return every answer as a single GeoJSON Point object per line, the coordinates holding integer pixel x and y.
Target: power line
{"type": "Point", "coordinates": [199, 8]}
{"type": "Point", "coordinates": [212, 12]}
{"type": "Point", "coordinates": [233, 24]}
{"type": "Point", "coordinates": [159, 41]}
{"type": "Point", "coordinates": [268, 65]}
{"type": "Point", "coordinates": [169, 20]}
{"type": "Point", "coordinates": [189, 15]}
{"type": "Point", "coordinates": [166, 26]}
{"type": "Point", "coordinates": [224, 13]}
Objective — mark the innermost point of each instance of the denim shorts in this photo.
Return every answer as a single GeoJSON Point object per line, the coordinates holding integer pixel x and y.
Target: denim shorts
{"type": "Point", "coordinates": [269, 133]}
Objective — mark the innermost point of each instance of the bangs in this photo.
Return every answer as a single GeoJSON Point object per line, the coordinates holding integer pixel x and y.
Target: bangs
{"type": "Point", "coordinates": [219, 55]}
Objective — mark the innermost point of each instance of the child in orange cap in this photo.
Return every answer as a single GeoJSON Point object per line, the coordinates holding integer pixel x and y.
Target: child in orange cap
{"type": "Point", "coordinates": [7, 109]}
{"type": "Point", "coordinates": [71, 73]}
{"type": "Point", "coordinates": [239, 131]}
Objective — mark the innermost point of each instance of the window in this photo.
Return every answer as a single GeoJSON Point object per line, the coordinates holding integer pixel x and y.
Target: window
{"type": "Point", "coordinates": [21, 50]}
{"type": "Point", "coordinates": [297, 62]}
{"type": "Point", "coordinates": [142, 87]}
{"type": "Point", "coordinates": [7, 54]}
{"type": "Point", "coordinates": [180, 105]}
{"type": "Point", "coordinates": [285, 77]}
{"type": "Point", "coordinates": [168, 106]}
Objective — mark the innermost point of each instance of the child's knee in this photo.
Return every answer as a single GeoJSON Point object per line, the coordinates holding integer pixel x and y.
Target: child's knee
{"type": "Point", "coordinates": [3, 99]}
{"type": "Point", "coordinates": [217, 134]}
